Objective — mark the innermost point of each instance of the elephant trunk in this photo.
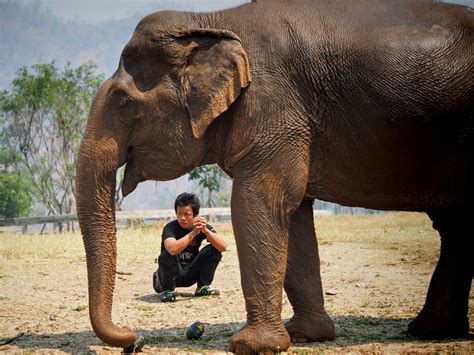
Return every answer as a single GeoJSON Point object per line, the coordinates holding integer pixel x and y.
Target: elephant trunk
{"type": "Point", "coordinates": [98, 161]}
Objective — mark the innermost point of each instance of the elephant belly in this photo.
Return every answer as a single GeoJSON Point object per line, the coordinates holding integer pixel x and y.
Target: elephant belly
{"type": "Point", "coordinates": [406, 171]}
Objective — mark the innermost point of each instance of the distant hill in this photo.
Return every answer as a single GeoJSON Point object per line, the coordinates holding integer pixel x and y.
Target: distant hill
{"type": "Point", "coordinates": [461, 2]}
{"type": "Point", "coordinates": [31, 35]}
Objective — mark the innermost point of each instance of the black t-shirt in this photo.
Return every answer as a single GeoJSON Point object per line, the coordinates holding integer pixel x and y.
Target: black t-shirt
{"type": "Point", "coordinates": [174, 230]}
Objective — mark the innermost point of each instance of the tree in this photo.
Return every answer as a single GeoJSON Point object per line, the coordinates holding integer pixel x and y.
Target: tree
{"type": "Point", "coordinates": [43, 118]}
{"type": "Point", "coordinates": [209, 178]}
{"type": "Point", "coordinates": [118, 189]}
{"type": "Point", "coordinates": [15, 198]}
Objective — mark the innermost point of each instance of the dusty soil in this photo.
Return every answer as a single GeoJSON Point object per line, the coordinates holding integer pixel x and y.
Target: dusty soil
{"type": "Point", "coordinates": [375, 270]}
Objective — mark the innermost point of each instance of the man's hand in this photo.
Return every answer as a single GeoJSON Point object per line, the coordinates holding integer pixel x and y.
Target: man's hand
{"type": "Point", "coordinates": [200, 224]}
{"type": "Point", "coordinates": [217, 242]}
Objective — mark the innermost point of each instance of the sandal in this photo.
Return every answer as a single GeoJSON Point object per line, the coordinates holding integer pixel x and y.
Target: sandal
{"type": "Point", "coordinates": [168, 296]}
{"type": "Point", "coordinates": [206, 291]}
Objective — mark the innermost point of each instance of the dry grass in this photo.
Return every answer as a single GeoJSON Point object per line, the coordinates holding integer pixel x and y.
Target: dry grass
{"type": "Point", "coordinates": [375, 272]}
{"type": "Point", "coordinates": [383, 231]}
{"type": "Point", "coordinates": [410, 234]}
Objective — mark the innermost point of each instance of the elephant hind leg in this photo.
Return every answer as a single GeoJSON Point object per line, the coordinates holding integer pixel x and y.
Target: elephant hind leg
{"type": "Point", "coordinates": [445, 313]}
{"type": "Point", "coordinates": [310, 321]}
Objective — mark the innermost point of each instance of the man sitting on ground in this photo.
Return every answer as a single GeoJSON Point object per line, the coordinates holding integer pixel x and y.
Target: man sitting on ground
{"type": "Point", "coordinates": [181, 263]}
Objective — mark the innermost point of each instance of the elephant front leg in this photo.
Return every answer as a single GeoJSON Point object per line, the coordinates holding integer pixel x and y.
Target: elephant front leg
{"type": "Point", "coordinates": [310, 321]}
{"type": "Point", "coordinates": [261, 208]}
{"type": "Point", "coordinates": [445, 313]}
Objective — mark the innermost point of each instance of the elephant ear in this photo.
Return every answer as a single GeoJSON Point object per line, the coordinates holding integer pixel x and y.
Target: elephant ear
{"type": "Point", "coordinates": [216, 71]}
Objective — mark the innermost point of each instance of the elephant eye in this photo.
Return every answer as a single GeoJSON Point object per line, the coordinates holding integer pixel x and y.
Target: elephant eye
{"type": "Point", "coordinates": [123, 102]}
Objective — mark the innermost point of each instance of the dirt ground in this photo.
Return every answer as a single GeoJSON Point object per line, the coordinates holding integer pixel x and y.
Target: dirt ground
{"type": "Point", "coordinates": [375, 270]}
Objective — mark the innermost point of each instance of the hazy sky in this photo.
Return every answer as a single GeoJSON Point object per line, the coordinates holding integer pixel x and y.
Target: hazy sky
{"type": "Point", "coordinates": [96, 11]}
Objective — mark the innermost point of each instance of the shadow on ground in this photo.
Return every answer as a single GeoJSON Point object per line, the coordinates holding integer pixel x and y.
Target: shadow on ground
{"type": "Point", "coordinates": [71, 342]}
{"type": "Point", "coordinates": [155, 297]}
{"type": "Point", "coordinates": [351, 331]}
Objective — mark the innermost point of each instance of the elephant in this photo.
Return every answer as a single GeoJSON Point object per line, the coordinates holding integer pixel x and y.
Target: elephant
{"type": "Point", "coordinates": [367, 103]}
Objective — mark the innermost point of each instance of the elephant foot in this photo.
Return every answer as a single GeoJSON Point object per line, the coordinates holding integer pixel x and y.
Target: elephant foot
{"type": "Point", "coordinates": [260, 339]}
{"type": "Point", "coordinates": [435, 326]}
{"type": "Point", "coordinates": [303, 329]}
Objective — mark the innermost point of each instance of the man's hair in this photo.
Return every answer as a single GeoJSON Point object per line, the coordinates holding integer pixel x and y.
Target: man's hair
{"type": "Point", "coordinates": [187, 199]}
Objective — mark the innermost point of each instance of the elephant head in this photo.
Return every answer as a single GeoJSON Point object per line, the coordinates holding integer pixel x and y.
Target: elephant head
{"type": "Point", "coordinates": [153, 114]}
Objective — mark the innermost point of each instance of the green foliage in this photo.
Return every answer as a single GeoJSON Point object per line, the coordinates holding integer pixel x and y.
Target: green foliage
{"type": "Point", "coordinates": [15, 199]}
{"type": "Point", "coordinates": [209, 178]}
{"type": "Point", "coordinates": [8, 159]}
{"type": "Point", "coordinates": [118, 190]}
{"type": "Point", "coordinates": [43, 117]}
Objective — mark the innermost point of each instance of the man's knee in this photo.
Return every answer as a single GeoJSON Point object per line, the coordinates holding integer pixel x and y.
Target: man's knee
{"type": "Point", "coordinates": [167, 261]}
{"type": "Point", "coordinates": [211, 253]}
